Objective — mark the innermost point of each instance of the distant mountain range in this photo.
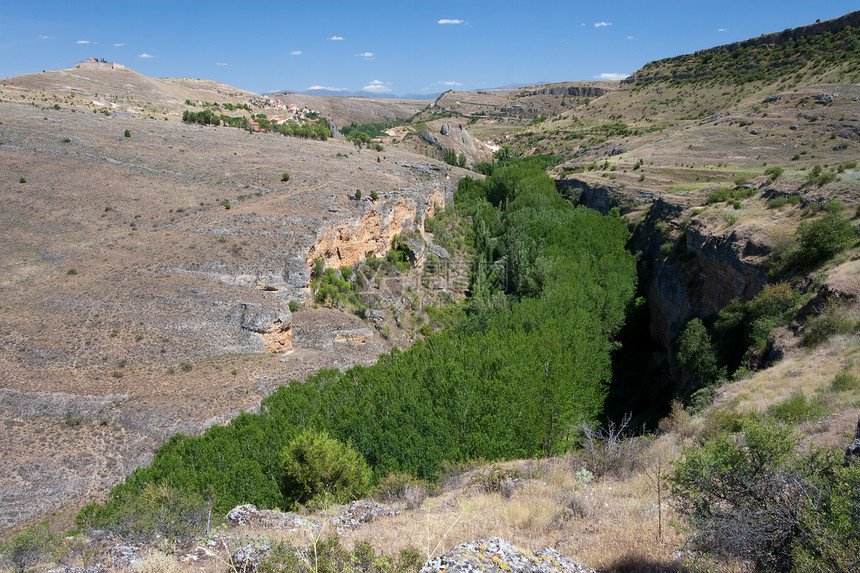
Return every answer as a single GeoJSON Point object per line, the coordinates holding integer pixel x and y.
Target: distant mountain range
{"type": "Point", "coordinates": [368, 94]}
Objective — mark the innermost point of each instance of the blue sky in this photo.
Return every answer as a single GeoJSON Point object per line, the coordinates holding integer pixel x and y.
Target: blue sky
{"type": "Point", "coordinates": [383, 46]}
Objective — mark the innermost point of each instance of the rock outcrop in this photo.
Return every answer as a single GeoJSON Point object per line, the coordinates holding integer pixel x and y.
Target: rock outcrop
{"type": "Point", "coordinates": [575, 91]}
{"type": "Point", "coordinates": [349, 516]}
{"type": "Point", "coordinates": [601, 199]}
{"type": "Point", "coordinates": [272, 323]}
{"type": "Point", "coordinates": [497, 555]}
{"type": "Point", "coordinates": [852, 454]}
{"type": "Point", "coordinates": [269, 519]}
{"type": "Point", "coordinates": [713, 268]}
{"type": "Point", "coordinates": [353, 241]}
{"type": "Point", "coordinates": [335, 132]}
{"type": "Point", "coordinates": [430, 138]}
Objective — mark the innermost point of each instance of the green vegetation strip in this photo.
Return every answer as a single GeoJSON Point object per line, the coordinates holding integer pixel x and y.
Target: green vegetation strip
{"type": "Point", "coordinates": [529, 360]}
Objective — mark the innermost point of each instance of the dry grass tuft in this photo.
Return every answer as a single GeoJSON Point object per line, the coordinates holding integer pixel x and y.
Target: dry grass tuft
{"type": "Point", "coordinates": [156, 562]}
{"type": "Point", "coordinates": [415, 496]}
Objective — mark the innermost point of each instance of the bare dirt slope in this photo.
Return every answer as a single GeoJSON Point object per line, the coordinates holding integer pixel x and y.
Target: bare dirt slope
{"type": "Point", "coordinates": [126, 91]}
{"type": "Point", "coordinates": [135, 304]}
{"type": "Point", "coordinates": [345, 110]}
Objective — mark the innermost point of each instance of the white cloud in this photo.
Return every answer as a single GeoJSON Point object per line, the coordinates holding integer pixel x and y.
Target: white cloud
{"type": "Point", "coordinates": [296, 53]}
{"type": "Point", "coordinates": [377, 87]}
{"type": "Point", "coordinates": [449, 83]}
{"type": "Point", "coordinates": [366, 55]}
{"type": "Point", "coordinates": [336, 38]}
{"type": "Point", "coordinates": [629, 37]}
{"type": "Point", "coordinates": [611, 76]}
{"type": "Point", "coordinates": [721, 30]}
{"type": "Point", "coordinates": [449, 21]}
{"type": "Point", "coordinates": [146, 56]}
{"type": "Point", "coordinates": [44, 37]}
{"type": "Point", "coordinates": [83, 41]}
{"type": "Point", "coordinates": [602, 24]}
{"type": "Point", "coordinates": [118, 45]}
{"type": "Point", "coordinates": [219, 63]}
{"type": "Point", "coordinates": [327, 88]}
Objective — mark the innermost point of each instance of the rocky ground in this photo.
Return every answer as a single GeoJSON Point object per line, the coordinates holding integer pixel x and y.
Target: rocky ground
{"type": "Point", "coordinates": [145, 280]}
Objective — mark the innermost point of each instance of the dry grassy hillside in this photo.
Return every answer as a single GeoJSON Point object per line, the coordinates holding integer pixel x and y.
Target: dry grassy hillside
{"type": "Point", "coordinates": [139, 272]}
{"type": "Point", "coordinates": [125, 91]}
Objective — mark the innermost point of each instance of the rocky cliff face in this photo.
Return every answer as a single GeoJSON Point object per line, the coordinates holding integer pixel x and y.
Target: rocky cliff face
{"type": "Point", "coordinates": [352, 241]}
{"type": "Point", "coordinates": [271, 323]}
{"type": "Point", "coordinates": [702, 273]}
{"type": "Point", "coordinates": [705, 269]}
{"type": "Point", "coordinates": [575, 91]}
{"type": "Point", "coordinates": [600, 199]}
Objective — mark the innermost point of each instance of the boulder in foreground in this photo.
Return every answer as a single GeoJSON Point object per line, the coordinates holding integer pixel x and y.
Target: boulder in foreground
{"type": "Point", "coordinates": [496, 555]}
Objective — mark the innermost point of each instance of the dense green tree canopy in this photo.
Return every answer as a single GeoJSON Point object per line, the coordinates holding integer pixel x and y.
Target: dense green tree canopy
{"type": "Point", "coordinates": [550, 286]}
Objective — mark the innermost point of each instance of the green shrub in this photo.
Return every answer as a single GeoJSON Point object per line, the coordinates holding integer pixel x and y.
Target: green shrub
{"type": "Point", "coordinates": [738, 495]}
{"type": "Point", "coordinates": [285, 176]}
{"type": "Point", "coordinates": [757, 497]}
{"type": "Point", "coordinates": [161, 511]}
{"type": "Point", "coordinates": [834, 206]}
{"type": "Point", "coordinates": [743, 192]}
{"type": "Point", "coordinates": [743, 327]}
{"type": "Point", "coordinates": [773, 306]}
{"type": "Point", "coordinates": [796, 408]}
{"type": "Point", "coordinates": [845, 381]}
{"type": "Point", "coordinates": [777, 202]}
{"type": "Point", "coordinates": [494, 479]}
{"type": "Point", "coordinates": [450, 156]}
{"type": "Point", "coordinates": [320, 470]}
{"type": "Point", "coordinates": [334, 290]}
{"type": "Point", "coordinates": [718, 195]}
{"type": "Point", "coordinates": [329, 556]}
{"type": "Point", "coordinates": [696, 356]}
{"type": "Point", "coordinates": [731, 195]}
{"type": "Point", "coordinates": [127, 133]}
{"type": "Point", "coordinates": [821, 239]}
{"type": "Point", "coordinates": [829, 534]}
{"type": "Point", "coordinates": [701, 399]}
{"type": "Point", "coordinates": [318, 269]}
{"type": "Point", "coordinates": [773, 173]}
{"type": "Point", "coordinates": [829, 322]}
{"type": "Point", "coordinates": [293, 305]}
{"type": "Point", "coordinates": [820, 177]}
{"type": "Point", "coordinates": [27, 548]}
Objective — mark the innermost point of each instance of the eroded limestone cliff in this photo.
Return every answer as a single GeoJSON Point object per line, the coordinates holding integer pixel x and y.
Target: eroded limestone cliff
{"type": "Point", "coordinates": [351, 241]}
